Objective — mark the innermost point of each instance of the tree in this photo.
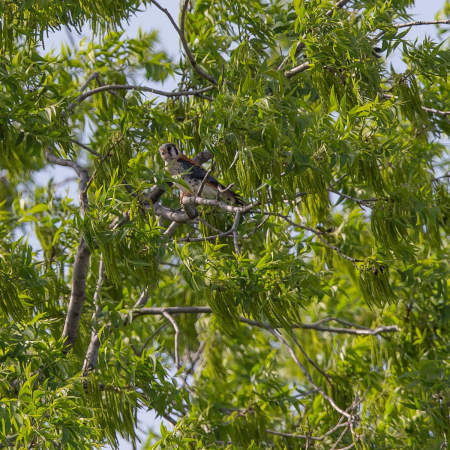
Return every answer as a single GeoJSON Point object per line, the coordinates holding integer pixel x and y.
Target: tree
{"type": "Point", "coordinates": [314, 316]}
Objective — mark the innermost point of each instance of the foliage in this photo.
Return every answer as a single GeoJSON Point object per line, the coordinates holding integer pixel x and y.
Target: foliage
{"type": "Point", "coordinates": [317, 315]}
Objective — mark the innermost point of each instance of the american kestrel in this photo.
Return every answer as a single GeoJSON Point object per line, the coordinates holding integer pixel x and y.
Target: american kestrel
{"type": "Point", "coordinates": [193, 175]}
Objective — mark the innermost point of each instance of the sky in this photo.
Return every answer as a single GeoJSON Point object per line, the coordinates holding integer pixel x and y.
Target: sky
{"type": "Point", "coordinates": [153, 19]}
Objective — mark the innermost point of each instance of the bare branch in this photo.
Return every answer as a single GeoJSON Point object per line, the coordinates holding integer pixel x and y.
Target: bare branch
{"type": "Point", "coordinates": [436, 111]}
{"type": "Point", "coordinates": [180, 31]}
{"type": "Point", "coordinates": [91, 358]}
{"type": "Point", "coordinates": [169, 214]}
{"type": "Point", "coordinates": [300, 68]}
{"type": "Point", "coordinates": [81, 264]}
{"type": "Point", "coordinates": [118, 87]}
{"type": "Point", "coordinates": [177, 337]}
{"type": "Point", "coordinates": [193, 200]}
{"type": "Point", "coordinates": [78, 294]}
{"type": "Point", "coordinates": [422, 22]}
{"type": "Point", "coordinates": [413, 24]}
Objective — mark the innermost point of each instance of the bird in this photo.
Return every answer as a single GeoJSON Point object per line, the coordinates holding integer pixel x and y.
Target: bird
{"type": "Point", "coordinates": [193, 175]}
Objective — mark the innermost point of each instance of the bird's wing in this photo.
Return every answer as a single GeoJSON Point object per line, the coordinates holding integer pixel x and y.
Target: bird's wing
{"type": "Point", "coordinates": [198, 172]}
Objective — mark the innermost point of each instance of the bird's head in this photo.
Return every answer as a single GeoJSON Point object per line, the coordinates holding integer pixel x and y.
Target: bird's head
{"type": "Point", "coordinates": [169, 152]}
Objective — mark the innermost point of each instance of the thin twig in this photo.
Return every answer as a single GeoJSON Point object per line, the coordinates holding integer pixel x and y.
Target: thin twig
{"type": "Point", "coordinates": [91, 77]}
{"type": "Point", "coordinates": [348, 447]}
{"type": "Point", "coordinates": [425, 108]}
{"type": "Point", "coordinates": [156, 311]}
{"type": "Point", "coordinates": [423, 22]}
{"type": "Point", "coordinates": [204, 222]}
{"type": "Point", "coordinates": [339, 439]}
{"type": "Point", "coordinates": [280, 337]}
{"type": "Point", "coordinates": [151, 337]}
{"type": "Point", "coordinates": [413, 24]}
{"type": "Point", "coordinates": [177, 336]}
{"type": "Point", "coordinates": [301, 44]}
{"type": "Point", "coordinates": [142, 300]}
{"type": "Point", "coordinates": [317, 233]}
{"type": "Point", "coordinates": [310, 360]}
{"type": "Point", "coordinates": [88, 149]}
{"type": "Point", "coordinates": [361, 201]}
{"type": "Point", "coordinates": [170, 230]}
{"type": "Point", "coordinates": [80, 171]}
{"type": "Point", "coordinates": [237, 218]}
{"type": "Point", "coordinates": [180, 31]}
{"type": "Point", "coordinates": [202, 184]}
{"type": "Point", "coordinates": [118, 87]}
{"type": "Point", "coordinates": [314, 438]}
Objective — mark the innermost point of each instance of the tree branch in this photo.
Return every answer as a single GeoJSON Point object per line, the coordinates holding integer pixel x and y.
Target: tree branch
{"type": "Point", "coordinates": [317, 233]}
{"type": "Point", "coordinates": [118, 87]}
{"type": "Point", "coordinates": [300, 68]}
{"type": "Point", "coordinates": [422, 22]}
{"type": "Point", "coordinates": [91, 358]}
{"type": "Point", "coordinates": [80, 144]}
{"type": "Point", "coordinates": [177, 337]}
{"type": "Point", "coordinates": [314, 438]}
{"type": "Point", "coordinates": [78, 294]}
{"type": "Point", "coordinates": [413, 24]}
{"type": "Point", "coordinates": [81, 264]}
{"type": "Point", "coordinates": [158, 311]}
{"type": "Point", "coordinates": [308, 376]}
{"type": "Point", "coordinates": [425, 108]}
{"type": "Point", "coordinates": [194, 200]}
{"type": "Point", "coordinates": [361, 201]}
{"type": "Point", "coordinates": [310, 360]}
{"type": "Point", "coordinates": [80, 171]}
{"type": "Point", "coordinates": [180, 31]}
